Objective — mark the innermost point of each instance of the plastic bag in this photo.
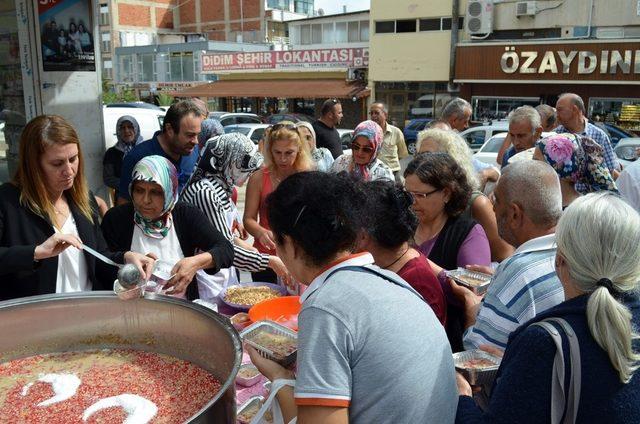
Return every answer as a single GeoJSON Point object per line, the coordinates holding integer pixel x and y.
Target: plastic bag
{"type": "Point", "coordinates": [271, 403]}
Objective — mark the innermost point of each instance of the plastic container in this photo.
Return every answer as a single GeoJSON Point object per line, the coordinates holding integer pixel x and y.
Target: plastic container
{"type": "Point", "coordinates": [124, 293]}
{"type": "Point", "coordinates": [240, 307]}
{"type": "Point", "coordinates": [287, 353]}
{"type": "Point", "coordinates": [240, 321]}
{"type": "Point", "coordinates": [249, 409]}
{"type": "Point", "coordinates": [160, 276]}
{"type": "Point", "coordinates": [283, 310]}
{"type": "Point", "coordinates": [477, 282]}
{"type": "Point", "coordinates": [476, 375]}
{"type": "Point", "coordinates": [248, 375]}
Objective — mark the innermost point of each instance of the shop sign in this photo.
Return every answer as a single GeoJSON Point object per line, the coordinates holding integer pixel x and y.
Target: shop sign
{"type": "Point", "coordinates": [553, 61]}
{"type": "Point", "coordinates": [287, 59]}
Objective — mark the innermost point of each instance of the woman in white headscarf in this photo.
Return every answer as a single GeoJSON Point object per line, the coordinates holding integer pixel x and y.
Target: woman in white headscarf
{"type": "Point", "coordinates": [227, 161]}
{"type": "Point", "coordinates": [320, 155]}
{"type": "Point", "coordinates": [128, 135]}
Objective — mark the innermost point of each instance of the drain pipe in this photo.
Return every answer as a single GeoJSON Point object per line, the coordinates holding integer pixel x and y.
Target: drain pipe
{"type": "Point", "coordinates": [451, 86]}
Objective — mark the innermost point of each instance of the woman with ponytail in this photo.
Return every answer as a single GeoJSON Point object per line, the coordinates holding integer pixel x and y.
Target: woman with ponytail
{"type": "Point", "coordinates": [598, 263]}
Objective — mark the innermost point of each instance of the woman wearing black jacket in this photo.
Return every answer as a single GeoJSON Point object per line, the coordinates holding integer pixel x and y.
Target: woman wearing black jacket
{"type": "Point", "coordinates": [47, 214]}
{"type": "Point", "coordinates": [179, 234]}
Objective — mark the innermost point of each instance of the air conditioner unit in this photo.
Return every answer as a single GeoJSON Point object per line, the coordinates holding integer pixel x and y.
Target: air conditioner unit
{"type": "Point", "coordinates": [525, 8]}
{"type": "Point", "coordinates": [479, 19]}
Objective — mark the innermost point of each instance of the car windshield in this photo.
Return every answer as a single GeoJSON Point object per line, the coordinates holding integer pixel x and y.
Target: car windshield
{"type": "Point", "coordinates": [417, 125]}
{"type": "Point", "coordinates": [494, 143]}
{"type": "Point", "coordinates": [241, 130]}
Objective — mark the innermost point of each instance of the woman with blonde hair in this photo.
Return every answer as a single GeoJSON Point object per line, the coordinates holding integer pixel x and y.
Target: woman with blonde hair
{"type": "Point", "coordinates": [479, 206]}
{"type": "Point", "coordinates": [597, 263]}
{"type": "Point", "coordinates": [285, 154]}
{"type": "Point", "coordinates": [48, 208]}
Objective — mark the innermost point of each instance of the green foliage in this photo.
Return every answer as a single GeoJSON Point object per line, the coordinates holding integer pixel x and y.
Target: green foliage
{"type": "Point", "coordinates": [129, 96]}
{"type": "Point", "coordinates": [165, 99]}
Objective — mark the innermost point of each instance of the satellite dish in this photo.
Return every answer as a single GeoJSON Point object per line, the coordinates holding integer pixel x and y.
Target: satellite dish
{"type": "Point", "coordinates": [321, 12]}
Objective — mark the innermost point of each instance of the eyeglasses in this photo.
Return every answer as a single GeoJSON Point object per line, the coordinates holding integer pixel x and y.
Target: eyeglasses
{"type": "Point", "coordinates": [287, 126]}
{"type": "Point", "coordinates": [418, 195]}
{"type": "Point", "coordinates": [356, 147]}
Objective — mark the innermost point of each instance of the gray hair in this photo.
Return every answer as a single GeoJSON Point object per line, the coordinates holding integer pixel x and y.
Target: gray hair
{"type": "Point", "coordinates": [599, 237]}
{"type": "Point", "coordinates": [576, 101]}
{"type": "Point", "coordinates": [385, 109]}
{"type": "Point", "coordinates": [525, 114]}
{"type": "Point", "coordinates": [455, 108]}
{"type": "Point", "coordinates": [535, 186]}
{"type": "Point", "coordinates": [452, 143]}
{"type": "Point", "coordinates": [548, 115]}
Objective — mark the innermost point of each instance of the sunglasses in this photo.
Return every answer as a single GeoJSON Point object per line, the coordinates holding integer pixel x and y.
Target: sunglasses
{"type": "Point", "coordinates": [356, 147]}
{"type": "Point", "coordinates": [291, 127]}
{"type": "Point", "coordinates": [419, 195]}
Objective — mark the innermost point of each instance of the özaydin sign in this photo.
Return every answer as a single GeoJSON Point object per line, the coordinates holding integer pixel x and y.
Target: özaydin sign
{"type": "Point", "coordinates": [288, 59]}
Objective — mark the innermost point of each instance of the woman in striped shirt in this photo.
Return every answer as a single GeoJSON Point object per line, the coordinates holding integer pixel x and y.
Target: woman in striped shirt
{"type": "Point", "coordinates": [226, 161]}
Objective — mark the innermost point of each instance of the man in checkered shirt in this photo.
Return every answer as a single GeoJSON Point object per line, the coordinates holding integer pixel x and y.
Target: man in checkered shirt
{"type": "Point", "coordinates": [571, 115]}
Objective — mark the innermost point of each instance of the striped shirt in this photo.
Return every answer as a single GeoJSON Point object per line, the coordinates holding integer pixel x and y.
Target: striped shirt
{"type": "Point", "coordinates": [211, 199]}
{"type": "Point", "coordinates": [523, 286]}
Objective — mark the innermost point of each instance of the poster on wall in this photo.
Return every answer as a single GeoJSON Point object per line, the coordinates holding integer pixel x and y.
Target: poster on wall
{"type": "Point", "coordinates": [67, 44]}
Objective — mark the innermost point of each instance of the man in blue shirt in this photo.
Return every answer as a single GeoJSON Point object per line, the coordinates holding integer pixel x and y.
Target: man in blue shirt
{"type": "Point", "coordinates": [178, 142]}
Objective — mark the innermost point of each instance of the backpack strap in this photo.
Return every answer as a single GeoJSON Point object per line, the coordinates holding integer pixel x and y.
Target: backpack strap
{"type": "Point", "coordinates": [564, 401]}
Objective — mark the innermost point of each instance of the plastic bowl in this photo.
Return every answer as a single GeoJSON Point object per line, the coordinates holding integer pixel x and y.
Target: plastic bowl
{"type": "Point", "coordinates": [283, 310]}
{"type": "Point", "coordinates": [237, 306]}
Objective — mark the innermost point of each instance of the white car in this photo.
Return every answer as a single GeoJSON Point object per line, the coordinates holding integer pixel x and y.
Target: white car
{"type": "Point", "coordinates": [488, 153]}
{"type": "Point", "coordinates": [254, 131]}
{"type": "Point", "coordinates": [150, 121]}
{"type": "Point", "coordinates": [345, 138]}
{"type": "Point", "coordinates": [627, 150]}
{"type": "Point", "coordinates": [477, 136]}
{"type": "Point", "coordinates": [233, 118]}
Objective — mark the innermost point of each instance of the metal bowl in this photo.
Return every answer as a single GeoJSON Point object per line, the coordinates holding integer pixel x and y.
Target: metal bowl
{"type": "Point", "coordinates": [99, 320]}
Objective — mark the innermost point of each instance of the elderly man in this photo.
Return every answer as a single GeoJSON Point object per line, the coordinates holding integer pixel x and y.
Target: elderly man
{"type": "Point", "coordinates": [524, 130]}
{"type": "Point", "coordinates": [571, 115]}
{"type": "Point", "coordinates": [325, 127]}
{"type": "Point", "coordinates": [528, 205]}
{"type": "Point", "coordinates": [393, 145]}
{"type": "Point", "coordinates": [548, 117]}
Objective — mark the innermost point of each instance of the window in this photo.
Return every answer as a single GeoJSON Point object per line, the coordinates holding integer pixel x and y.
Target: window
{"type": "Point", "coordinates": [446, 24]}
{"type": "Point", "coordinates": [105, 42]}
{"type": "Point", "coordinates": [104, 14]}
{"type": "Point", "coordinates": [146, 67]}
{"type": "Point", "coordinates": [353, 32]}
{"type": "Point", "coordinates": [278, 4]}
{"type": "Point", "coordinates": [126, 68]}
{"type": "Point", "coordinates": [327, 34]}
{"type": "Point", "coordinates": [430, 24]}
{"type": "Point", "coordinates": [341, 32]}
{"type": "Point", "coordinates": [107, 69]}
{"type": "Point", "coordinates": [305, 34]}
{"type": "Point", "coordinates": [385, 27]}
{"type": "Point", "coordinates": [475, 139]}
{"type": "Point", "coordinates": [316, 34]}
{"type": "Point", "coordinates": [364, 30]}
{"type": "Point", "coordinates": [304, 6]}
{"type": "Point", "coordinates": [405, 25]}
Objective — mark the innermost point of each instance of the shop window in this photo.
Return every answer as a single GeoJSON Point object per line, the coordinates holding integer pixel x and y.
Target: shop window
{"type": "Point", "coordinates": [491, 108]}
{"type": "Point", "coordinates": [188, 71]}
{"type": "Point", "coordinates": [364, 30]}
{"type": "Point", "coordinates": [316, 34]}
{"type": "Point", "coordinates": [385, 27]}
{"type": "Point", "coordinates": [624, 113]}
{"type": "Point", "coordinates": [341, 32]}
{"type": "Point", "coordinates": [146, 68]}
{"type": "Point", "coordinates": [126, 69]}
{"type": "Point", "coordinates": [405, 25]}
{"type": "Point", "coordinates": [327, 34]}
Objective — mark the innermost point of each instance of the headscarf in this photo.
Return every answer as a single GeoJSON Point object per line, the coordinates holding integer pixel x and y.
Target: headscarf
{"type": "Point", "coordinates": [209, 128]}
{"type": "Point", "coordinates": [373, 132]}
{"type": "Point", "coordinates": [159, 170]}
{"type": "Point", "coordinates": [578, 159]}
{"type": "Point", "coordinates": [320, 155]}
{"type": "Point", "coordinates": [137, 138]}
{"type": "Point", "coordinates": [228, 159]}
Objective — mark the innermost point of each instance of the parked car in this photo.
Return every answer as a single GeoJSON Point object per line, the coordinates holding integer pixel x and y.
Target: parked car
{"type": "Point", "coordinates": [477, 136]}
{"type": "Point", "coordinates": [488, 153]}
{"type": "Point", "coordinates": [627, 150]}
{"type": "Point", "coordinates": [254, 131]}
{"type": "Point", "coordinates": [150, 121]}
{"type": "Point", "coordinates": [233, 118]}
{"type": "Point", "coordinates": [140, 105]}
{"type": "Point", "coordinates": [615, 133]}
{"type": "Point", "coordinates": [411, 131]}
{"type": "Point", "coordinates": [345, 138]}
{"type": "Point", "coordinates": [293, 117]}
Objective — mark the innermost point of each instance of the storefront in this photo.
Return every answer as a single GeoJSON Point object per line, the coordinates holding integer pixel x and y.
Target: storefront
{"type": "Point", "coordinates": [498, 77]}
{"type": "Point", "coordinates": [295, 81]}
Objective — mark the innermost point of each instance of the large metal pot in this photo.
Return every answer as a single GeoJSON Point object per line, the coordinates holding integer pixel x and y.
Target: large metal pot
{"type": "Point", "coordinates": [96, 320]}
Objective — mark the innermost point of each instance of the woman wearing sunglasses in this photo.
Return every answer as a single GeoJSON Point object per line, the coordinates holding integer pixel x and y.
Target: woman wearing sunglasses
{"type": "Point", "coordinates": [363, 163]}
{"type": "Point", "coordinates": [441, 192]}
{"type": "Point", "coordinates": [285, 154]}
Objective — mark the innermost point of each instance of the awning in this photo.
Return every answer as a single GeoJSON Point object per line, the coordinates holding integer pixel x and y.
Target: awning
{"type": "Point", "coordinates": [285, 88]}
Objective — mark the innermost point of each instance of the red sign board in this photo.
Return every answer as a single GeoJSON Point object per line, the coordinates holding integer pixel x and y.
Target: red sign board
{"type": "Point", "coordinates": [287, 59]}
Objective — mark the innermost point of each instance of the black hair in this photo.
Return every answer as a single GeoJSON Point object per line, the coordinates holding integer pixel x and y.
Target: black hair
{"type": "Point", "coordinates": [391, 221]}
{"type": "Point", "coordinates": [179, 110]}
{"type": "Point", "coordinates": [441, 171]}
{"type": "Point", "coordinates": [328, 106]}
{"type": "Point", "coordinates": [319, 211]}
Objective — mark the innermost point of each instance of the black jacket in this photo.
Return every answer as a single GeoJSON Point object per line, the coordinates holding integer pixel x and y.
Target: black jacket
{"type": "Point", "coordinates": [21, 231]}
{"type": "Point", "coordinates": [195, 233]}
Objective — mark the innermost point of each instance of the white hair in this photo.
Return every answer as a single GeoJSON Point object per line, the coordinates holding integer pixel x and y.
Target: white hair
{"type": "Point", "coordinates": [535, 186]}
{"type": "Point", "coordinates": [455, 107]}
{"type": "Point", "coordinates": [452, 143]}
{"type": "Point", "coordinates": [526, 114]}
{"type": "Point", "coordinates": [599, 237]}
